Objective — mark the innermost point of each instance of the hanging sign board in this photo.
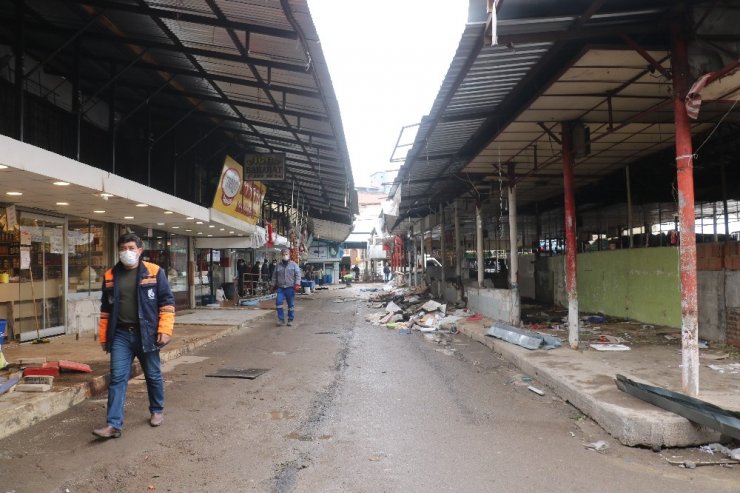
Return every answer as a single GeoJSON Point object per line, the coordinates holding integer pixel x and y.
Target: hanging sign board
{"type": "Point", "coordinates": [265, 167]}
{"type": "Point", "coordinates": [237, 197]}
{"type": "Point", "coordinates": [25, 257]}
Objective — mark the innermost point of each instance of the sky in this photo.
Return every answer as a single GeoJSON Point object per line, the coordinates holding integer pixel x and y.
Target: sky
{"type": "Point", "coordinates": [387, 60]}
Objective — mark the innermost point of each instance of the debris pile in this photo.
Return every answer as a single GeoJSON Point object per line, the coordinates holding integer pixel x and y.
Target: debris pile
{"type": "Point", "coordinates": [413, 309]}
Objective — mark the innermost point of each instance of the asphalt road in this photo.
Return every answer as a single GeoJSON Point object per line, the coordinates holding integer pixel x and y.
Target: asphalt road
{"type": "Point", "coordinates": [345, 406]}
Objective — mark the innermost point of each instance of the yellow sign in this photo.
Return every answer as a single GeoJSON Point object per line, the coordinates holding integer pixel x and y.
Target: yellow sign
{"type": "Point", "coordinates": [236, 197]}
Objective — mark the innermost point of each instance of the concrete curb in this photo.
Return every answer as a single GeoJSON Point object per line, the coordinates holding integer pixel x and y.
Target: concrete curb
{"type": "Point", "coordinates": [27, 409]}
{"type": "Point", "coordinates": [628, 419]}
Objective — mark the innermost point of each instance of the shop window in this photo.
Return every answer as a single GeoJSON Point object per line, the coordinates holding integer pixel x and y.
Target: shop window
{"type": "Point", "coordinates": [87, 256]}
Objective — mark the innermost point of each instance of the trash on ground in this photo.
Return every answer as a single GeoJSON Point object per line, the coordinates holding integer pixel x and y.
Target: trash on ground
{"type": "Point", "coordinates": [596, 319]}
{"type": "Point", "coordinates": [732, 368]}
{"type": "Point", "coordinates": [609, 347]}
{"type": "Point", "coordinates": [535, 390]}
{"type": "Point", "coordinates": [524, 338]}
{"type": "Point", "coordinates": [597, 446]}
{"type": "Point", "coordinates": [703, 344]}
{"type": "Point", "coordinates": [248, 373]}
{"type": "Point", "coordinates": [431, 306]}
{"type": "Point", "coordinates": [393, 308]}
{"type": "Point", "coordinates": [713, 448]}
{"type": "Point", "coordinates": [714, 357]}
{"type": "Point", "coordinates": [701, 412]}
{"type": "Point", "coordinates": [610, 339]}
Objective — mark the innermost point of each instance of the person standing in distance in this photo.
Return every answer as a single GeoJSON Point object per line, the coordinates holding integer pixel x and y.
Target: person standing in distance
{"type": "Point", "coordinates": [286, 280]}
{"type": "Point", "coordinates": [137, 317]}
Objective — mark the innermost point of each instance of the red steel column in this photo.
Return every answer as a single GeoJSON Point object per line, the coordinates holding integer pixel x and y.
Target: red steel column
{"type": "Point", "coordinates": [570, 234]}
{"type": "Point", "coordinates": [687, 245]}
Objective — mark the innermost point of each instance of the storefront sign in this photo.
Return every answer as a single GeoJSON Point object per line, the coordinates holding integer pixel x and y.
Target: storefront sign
{"type": "Point", "coordinates": [25, 257]}
{"type": "Point", "coordinates": [265, 167]}
{"type": "Point", "coordinates": [236, 197]}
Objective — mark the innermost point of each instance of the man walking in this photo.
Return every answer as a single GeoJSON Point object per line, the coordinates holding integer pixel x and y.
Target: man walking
{"type": "Point", "coordinates": [137, 316]}
{"type": "Point", "coordinates": [286, 280]}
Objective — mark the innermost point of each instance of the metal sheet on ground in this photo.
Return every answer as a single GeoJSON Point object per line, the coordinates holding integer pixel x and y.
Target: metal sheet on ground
{"type": "Point", "coordinates": [248, 373]}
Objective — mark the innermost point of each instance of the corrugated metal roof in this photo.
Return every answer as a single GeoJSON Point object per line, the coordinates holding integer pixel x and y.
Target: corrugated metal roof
{"type": "Point", "coordinates": [253, 66]}
{"type": "Point", "coordinates": [555, 61]}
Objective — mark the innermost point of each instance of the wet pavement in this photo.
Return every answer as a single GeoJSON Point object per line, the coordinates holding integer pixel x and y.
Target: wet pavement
{"type": "Point", "coordinates": [584, 377]}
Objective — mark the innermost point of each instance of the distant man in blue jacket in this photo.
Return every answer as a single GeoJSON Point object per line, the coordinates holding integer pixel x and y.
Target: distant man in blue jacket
{"type": "Point", "coordinates": [286, 280]}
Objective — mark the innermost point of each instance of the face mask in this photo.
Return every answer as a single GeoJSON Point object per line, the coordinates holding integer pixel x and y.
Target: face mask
{"type": "Point", "coordinates": [128, 257]}
{"type": "Point", "coordinates": [286, 258]}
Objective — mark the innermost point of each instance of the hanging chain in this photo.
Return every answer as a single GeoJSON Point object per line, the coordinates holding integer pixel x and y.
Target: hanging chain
{"type": "Point", "coordinates": [500, 200]}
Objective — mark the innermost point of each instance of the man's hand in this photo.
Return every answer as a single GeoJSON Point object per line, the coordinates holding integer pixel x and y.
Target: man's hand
{"type": "Point", "coordinates": [297, 287]}
{"type": "Point", "coordinates": [163, 339]}
{"type": "Point", "coordinates": [102, 346]}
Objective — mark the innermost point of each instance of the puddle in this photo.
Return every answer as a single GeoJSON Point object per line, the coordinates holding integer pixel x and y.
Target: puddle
{"type": "Point", "coordinates": [277, 415]}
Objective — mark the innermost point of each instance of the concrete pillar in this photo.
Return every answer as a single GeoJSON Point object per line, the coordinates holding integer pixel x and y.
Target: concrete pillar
{"type": "Point", "coordinates": [570, 235]}
{"type": "Point", "coordinates": [687, 242]}
{"type": "Point", "coordinates": [479, 243]}
{"type": "Point", "coordinates": [516, 306]}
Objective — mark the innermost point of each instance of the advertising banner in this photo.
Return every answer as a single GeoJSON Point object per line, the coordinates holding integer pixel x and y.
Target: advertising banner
{"type": "Point", "coordinates": [237, 197]}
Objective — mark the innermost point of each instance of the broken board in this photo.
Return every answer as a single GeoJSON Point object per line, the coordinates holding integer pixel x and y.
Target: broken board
{"type": "Point", "coordinates": [248, 373]}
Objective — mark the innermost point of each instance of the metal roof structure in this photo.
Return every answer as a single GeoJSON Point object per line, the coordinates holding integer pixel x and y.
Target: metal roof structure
{"type": "Point", "coordinates": [604, 63]}
{"type": "Point", "coordinates": [251, 70]}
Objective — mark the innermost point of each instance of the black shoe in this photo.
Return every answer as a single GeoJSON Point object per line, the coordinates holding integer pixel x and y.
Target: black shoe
{"type": "Point", "coordinates": [290, 322]}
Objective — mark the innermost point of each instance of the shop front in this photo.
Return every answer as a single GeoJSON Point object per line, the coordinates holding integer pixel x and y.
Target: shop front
{"type": "Point", "coordinates": [49, 273]}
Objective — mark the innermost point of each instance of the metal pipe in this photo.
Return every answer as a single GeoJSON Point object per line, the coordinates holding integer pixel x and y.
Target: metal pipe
{"type": "Point", "coordinates": [723, 179]}
{"type": "Point", "coordinates": [479, 243]}
{"type": "Point", "coordinates": [687, 243]}
{"type": "Point", "coordinates": [443, 248]}
{"type": "Point", "coordinates": [629, 204]}
{"type": "Point", "coordinates": [570, 235]}
{"type": "Point", "coordinates": [458, 262]}
{"type": "Point", "coordinates": [513, 251]}
{"type": "Point", "coordinates": [77, 102]}
{"type": "Point", "coordinates": [19, 48]}
{"type": "Point", "coordinates": [112, 122]}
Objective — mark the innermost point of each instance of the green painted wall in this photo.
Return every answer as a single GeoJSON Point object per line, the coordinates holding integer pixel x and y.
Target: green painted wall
{"type": "Point", "coordinates": [641, 284]}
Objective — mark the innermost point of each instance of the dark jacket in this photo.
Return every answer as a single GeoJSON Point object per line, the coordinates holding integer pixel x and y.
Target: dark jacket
{"type": "Point", "coordinates": [156, 305]}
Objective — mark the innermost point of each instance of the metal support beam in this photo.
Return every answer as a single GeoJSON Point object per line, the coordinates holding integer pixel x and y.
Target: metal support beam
{"type": "Point", "coordinates": [458, 256]}
{"type": "Point", "coordinates": [570, 234]}
{"type": "Point", "coordinates": [443, 249]}
{"type": "Point", "coordinates": [19, 48]}
{"type": "Point", "coordinates": [479, 243]}
{"type": "Point", "coordinates": [112, 122]}
{"type": "Point", "coordinates": [110, 81]}
{"type": "Point", "coordinates": [725, 211]}
{"type": "Point", "coordinates": [687, 242]}
{"type": "Point", "coordinates": [629, 203]}
{"type": "Point", "coordinates": [77, 103]}
{"type": "Point", "coordinates": [516, 306]}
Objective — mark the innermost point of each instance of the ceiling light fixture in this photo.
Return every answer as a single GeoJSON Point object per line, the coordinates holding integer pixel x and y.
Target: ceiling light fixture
{"type": "Point", "coordinates": [142, 205]}
{"type": "Point", "coordinates": [128, 217]}
{"type": "Point", "coordinates": [2, 166]}
{"type": "Point", "coordinates": [168, 212]}
{"type": "Point", "coordinates": [99, 212]}
{"type": "Point", "coordinates": [61, 183]}
{"type": "Point", "coordinates": [15, 194]}
{"type": "Point", "coordinates": [198, 222]}
{"type": "Point", "coordinates": [62, 203]}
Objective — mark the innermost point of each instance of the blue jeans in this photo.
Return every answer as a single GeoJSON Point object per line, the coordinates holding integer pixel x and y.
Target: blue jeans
{"type": "Point", "coordinates": [285, 294]}
{"type": "Point", "coordinates": [126, 345]}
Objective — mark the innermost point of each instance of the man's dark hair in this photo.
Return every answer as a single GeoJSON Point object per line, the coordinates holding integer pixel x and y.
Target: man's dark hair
{"type": "Point", "coordinates": [129, 237]}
